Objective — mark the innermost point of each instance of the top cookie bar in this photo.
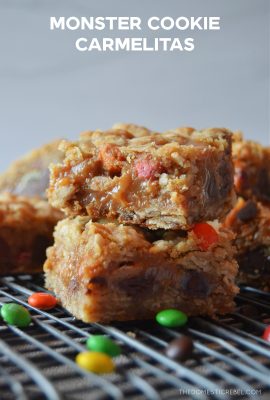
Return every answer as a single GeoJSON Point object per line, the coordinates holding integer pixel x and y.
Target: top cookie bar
{"type": "Point", "coordinates": [170, 180]}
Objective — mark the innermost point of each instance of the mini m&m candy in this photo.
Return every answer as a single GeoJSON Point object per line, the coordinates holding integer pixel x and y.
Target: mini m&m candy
{"type": "Point", "coordinates": [180, 348]}
{"type": "Point", "coordinates": [266, 334]}
{"type": "Point", "coordinates": [103, 344]}
{"type": "Point", "coordinates": [42, 301]}
{"type": "Point", "coordinates": [206, 235]}
{"type": "Point", "coordinates": [92, 361]}
{"type": "Point", "coordinates": [15, 314]}
{"type": "Point", "coordinates": [171, 318]}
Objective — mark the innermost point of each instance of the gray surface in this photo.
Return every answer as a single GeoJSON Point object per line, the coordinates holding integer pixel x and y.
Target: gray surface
{"type": "Point", "coordinates": [48, 89]}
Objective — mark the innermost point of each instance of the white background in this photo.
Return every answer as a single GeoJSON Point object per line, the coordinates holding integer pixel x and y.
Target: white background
{"type": "Point", "coordinates": [48, 89]}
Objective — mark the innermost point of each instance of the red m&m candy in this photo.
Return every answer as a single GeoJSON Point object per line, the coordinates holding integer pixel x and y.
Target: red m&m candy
{"type": "Point", "coordinates": [266, 334]}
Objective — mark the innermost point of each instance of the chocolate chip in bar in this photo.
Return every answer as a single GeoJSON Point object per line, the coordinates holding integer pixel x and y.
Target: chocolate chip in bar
{"type": "Point", "coordinates": [262, 189]}
{"type": "Point", "coordinates": [132, 285]}
{"type": "Point", "coordinates": [196, 284]}
{"type": "Point", "coordinates": [226, 181]}
{"type": "Point", "coordinates": [248, 212]}
{"type": "Point", "coordinates": [211, 189]}
{"type": "Point", "coordinates": [98, 280]}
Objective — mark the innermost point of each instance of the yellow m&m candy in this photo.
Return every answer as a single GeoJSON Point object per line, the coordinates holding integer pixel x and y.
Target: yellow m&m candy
{"type": "Point", "coordinates": [92, 361]}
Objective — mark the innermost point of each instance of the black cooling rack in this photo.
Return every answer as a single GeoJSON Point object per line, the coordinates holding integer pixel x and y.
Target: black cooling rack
{"type": "Point", "coordinates": [230, 360]}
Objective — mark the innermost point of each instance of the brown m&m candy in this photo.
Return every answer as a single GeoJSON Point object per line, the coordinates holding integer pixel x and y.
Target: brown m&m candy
{"type": "Point", "coordinates": [180, 349]}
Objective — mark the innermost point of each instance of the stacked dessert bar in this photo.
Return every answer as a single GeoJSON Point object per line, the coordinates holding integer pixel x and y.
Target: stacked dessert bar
{"type": "Point", "coordinates": [250, 218]}
{"type": "Point", "coordinates": [141, 232]}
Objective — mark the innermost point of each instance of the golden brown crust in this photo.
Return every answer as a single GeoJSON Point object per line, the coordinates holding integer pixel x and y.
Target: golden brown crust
{"type": "Point", "coordinates": [100, 270]}
{"type": "Point", "coordinates": [169, 180]}
{"type": "Point", "coordinates": [26, 227]}
{"type": "Point", "coordinates": [136, 130]}
{"type": "Point", "coordinates": [16, 210]}
{"type": "Point", "coordinates": [29, 176]}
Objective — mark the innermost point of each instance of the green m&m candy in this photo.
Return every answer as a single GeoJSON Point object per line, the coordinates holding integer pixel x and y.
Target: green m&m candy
{"type": "Point", "coordinates": [103, 344]}
{"type": "Point", "coordinates": [171, 318]}
{"type": "Point", "coordinates": [15, 314]}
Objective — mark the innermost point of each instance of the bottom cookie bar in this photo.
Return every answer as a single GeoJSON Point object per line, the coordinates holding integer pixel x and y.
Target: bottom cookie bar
{"type": "Point", "coordinates": [105, 271]}
{"type": "Point", "coordinates": [250, 220]}
{"type": "Point", "coordinates": [26, 228]}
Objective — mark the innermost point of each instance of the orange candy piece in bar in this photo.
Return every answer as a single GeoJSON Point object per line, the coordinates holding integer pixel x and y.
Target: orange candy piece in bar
{"type": "Point", "coordinates": [206, 234]}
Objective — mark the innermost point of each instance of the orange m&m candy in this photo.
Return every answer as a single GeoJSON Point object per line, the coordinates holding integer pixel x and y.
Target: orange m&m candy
{"type": "Point", "coordinates": [43, 301]}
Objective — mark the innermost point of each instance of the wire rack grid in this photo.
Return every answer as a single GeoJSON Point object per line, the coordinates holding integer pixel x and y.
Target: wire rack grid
{"type": "Point", "coordinates": [230, 359]}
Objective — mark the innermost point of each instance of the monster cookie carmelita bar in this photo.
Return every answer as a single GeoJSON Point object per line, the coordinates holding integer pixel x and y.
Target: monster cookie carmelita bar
{"type": "Point", "coordinates": [26, 227]}
{"type": "Point", "coordinates": [170, 180]}
{"type": "Point", "coordinates": [100, 270]}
